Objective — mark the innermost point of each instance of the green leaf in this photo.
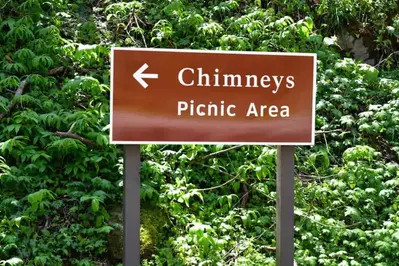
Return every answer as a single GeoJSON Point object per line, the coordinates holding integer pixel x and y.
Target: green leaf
{"type": "Point", "coordinates": [236, 186]}
{"type": "Point", "coordinates": [351, 211]}
{"type": "Point", "coordinates": [105, 229]}
{"type": "Point", "coordinates": [12, 262]}
{"type": "Point", "coordinates": [396, 234]}
{"type": "Point", "coordinates": [18, 220]}
{"type": "Point", "coordinates": [198, 229]}
{"type": "Point", "coordinates": [370, 74]}
{"type": "Point", "coordinates": [85, 198]}
{"type": "Point", "coordinates": [95, 205]}
{"type": "Point", "coordinates": [347, 120]}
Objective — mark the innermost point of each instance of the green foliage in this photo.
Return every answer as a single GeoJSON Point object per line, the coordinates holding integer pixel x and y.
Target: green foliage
{"type": "Point", "coordinates": [59, 175]}
{"type": "Point", "coordinates": [153, 222]}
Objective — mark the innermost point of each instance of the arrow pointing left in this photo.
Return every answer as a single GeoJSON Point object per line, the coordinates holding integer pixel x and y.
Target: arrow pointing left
{"type": "Point", "coordinates": [140, 76]}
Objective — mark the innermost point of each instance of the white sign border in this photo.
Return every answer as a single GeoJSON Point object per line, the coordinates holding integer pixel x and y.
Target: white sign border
{"type": "Point", "coordinates": [314, 55]}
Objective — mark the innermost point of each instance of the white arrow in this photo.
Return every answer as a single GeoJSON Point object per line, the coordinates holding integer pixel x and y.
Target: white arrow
{"type": "Point", "coordinates": [140, 76]}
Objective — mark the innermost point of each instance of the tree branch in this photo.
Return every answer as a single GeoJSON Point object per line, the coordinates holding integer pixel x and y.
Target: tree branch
{"type": "Point", "coordinates": [328, 131]}
{"type": "Point", "coordinates": [56, 71]}
{"type": "Point", "coordinates": [315, 176]}
{"type": "Point", "coordinates": [245, 198]}
{"type": "Point", "coordinates": [216, 187]}
{"type": "Point", "coordinates": [207, 166]}
{"type": "Point", "coordinates": [220, 152]}
{"type": "Point", "coordinates": [386, 58]}
{"type": "Point", "coordinates": [269, 248]}
{"type": "Point", "coordinates": [134, 16]}
{"type": "Point", "coordinates": [18, 92]}
{"type": "Point", "coordinates": [5, 4]}
{"type": "Point", "coordinates": [328, 225]}
{"type": "Point", "coordinates": [23, 84]}
{"type": "Point", "coordinates": [8, 58]}
{"type": "Point", "coordinates": [138, 26]}
{"type": "Point", "coordinates": [75, 136]}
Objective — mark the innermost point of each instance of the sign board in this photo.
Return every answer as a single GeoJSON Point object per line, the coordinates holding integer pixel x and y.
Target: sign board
{"type": "Point", "coordinates": [208, 97]}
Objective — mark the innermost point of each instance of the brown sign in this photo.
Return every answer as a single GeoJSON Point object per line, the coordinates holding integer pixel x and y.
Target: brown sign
{"type": "Point", "coordinates": [208, 97]}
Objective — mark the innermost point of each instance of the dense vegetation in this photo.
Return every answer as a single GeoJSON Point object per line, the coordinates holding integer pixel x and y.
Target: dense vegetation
{"type": "Point", "coordinates": [60, 178]}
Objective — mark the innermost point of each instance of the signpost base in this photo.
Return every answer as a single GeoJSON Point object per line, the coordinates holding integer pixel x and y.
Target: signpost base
{"type": "Point", "coordinates": [131, 198]}
{"type": "Point", "coordinates": [285, 206]}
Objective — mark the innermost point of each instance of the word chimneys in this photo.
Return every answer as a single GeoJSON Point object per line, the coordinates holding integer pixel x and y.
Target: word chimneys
{"type": "Point", "coordinates": [189, 96]}
{"type": "Point", "coordinates": [189, 77]}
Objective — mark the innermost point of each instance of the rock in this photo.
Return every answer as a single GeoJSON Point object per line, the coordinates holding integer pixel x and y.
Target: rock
{"type": "Point", "coordinates": [345, 41]}
{"type": "Point", "coordinates": [360, 48]}
{"type": "Point", "coordinates": [152, 220]}
{"type": "Point", "coordinates": [361, 52]}
{"type": "Point", "coordinates": [115, 238]}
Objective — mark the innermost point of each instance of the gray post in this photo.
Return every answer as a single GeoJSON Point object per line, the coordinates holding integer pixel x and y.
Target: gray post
{"type": "Point", "coordinates": [285, 206]}
{"type": "Point", "coordinates": [131, 202]}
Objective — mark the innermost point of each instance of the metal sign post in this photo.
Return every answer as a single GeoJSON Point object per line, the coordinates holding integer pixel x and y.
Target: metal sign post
{"type": "Point", "coordinates": [205, 97]}
{"type": "Point", "coordinates": [285, 206]}
{"type": "Point", "coordinates": [131, 197]}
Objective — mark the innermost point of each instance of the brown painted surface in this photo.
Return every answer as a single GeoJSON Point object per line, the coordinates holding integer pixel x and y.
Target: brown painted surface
{"type": "Point", "coordinates": [144, 115]}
